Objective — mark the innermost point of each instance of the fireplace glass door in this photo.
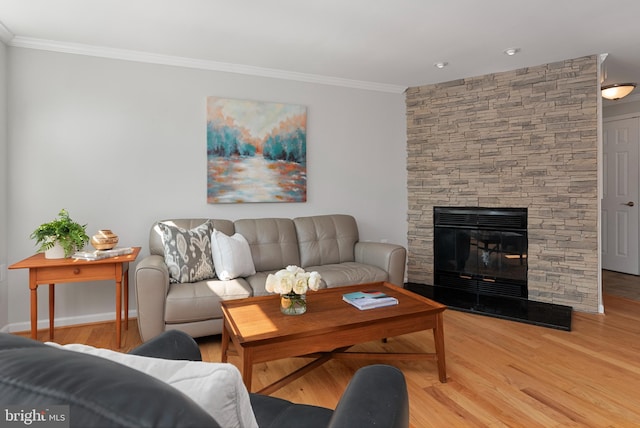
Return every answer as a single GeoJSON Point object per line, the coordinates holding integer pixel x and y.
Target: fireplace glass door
{"type": "Point", "coordinates": [479, 257]}
{"type": "Point", "coordinates": [488, 253]}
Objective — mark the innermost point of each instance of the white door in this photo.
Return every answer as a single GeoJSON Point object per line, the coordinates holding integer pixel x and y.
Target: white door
{"type": "Point", "coordinates": [620, 204]}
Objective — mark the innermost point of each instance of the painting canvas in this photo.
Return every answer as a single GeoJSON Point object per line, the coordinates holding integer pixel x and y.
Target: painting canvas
{"type": "Point", "coordinates": [256, 151]}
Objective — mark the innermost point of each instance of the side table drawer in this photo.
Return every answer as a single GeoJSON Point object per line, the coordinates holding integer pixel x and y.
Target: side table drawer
{"type": "Point", "coordinates": [84, 272]}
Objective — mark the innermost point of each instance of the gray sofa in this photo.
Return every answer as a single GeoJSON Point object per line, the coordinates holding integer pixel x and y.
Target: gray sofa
{"type": "Point", "coordinates": [328, 244]}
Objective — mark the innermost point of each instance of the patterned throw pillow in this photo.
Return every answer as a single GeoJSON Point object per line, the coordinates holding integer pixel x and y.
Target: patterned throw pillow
{"type": "Point", "coordinates": [187, 253]}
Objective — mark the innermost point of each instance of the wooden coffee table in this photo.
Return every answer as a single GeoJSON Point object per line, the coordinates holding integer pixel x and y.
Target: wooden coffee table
{"type": "Point", "coordinates": [260, 332]}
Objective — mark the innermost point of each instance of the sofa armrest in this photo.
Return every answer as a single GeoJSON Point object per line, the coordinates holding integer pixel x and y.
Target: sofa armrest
{"type": "Point", "coordinates": [376, 396]}
{"type": "Point", "coordinates": [170, 345]}
{"type": "Point", "coordinates": [389, 257]}
{"type": "Point", "coordinates": [151, 282]}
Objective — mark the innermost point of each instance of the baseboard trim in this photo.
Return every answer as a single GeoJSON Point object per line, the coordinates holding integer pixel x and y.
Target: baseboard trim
{"type": "Point", "coordinates": [64, 321]}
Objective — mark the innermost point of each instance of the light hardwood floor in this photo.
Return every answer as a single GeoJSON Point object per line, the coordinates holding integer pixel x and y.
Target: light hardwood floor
{"type": "Point", "coordinates": [621, 285]}
{"type": "Point", "coordinates": [500, 373]}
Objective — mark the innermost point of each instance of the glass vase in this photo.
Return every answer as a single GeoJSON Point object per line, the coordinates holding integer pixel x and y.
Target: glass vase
{"type": "Point", "coordinates": [293, 304]}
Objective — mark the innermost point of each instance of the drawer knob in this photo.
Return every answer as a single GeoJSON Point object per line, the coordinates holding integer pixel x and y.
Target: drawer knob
{"type": "Point", "coordinates": [76, 271]}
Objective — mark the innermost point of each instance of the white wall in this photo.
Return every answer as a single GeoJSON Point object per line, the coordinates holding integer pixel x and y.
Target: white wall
{"type": "Point", "coordinates": [120, 144]}
{"type": "Point", "coordinates": [4, 306]}
{"type": "Point", "coordinates": [626, 106]}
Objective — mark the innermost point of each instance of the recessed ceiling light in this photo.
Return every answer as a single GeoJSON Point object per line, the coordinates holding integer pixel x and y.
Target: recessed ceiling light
{"type": "Point", "coordinates": [440, 64]}
{"type": "Point", "coordinates": [511, 51]}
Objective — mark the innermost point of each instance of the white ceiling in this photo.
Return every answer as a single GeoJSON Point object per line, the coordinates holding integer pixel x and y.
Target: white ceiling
{"type": "Point", "coordinates": [389, 43]}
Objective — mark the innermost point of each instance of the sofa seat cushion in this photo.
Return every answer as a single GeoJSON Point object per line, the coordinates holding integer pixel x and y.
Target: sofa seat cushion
{"type": "Point", "coordinates": [201, 300]}
{"type": "Point", "coordinates": [349, 273]}
{"type": "Point", "coordinates": [259, 280]}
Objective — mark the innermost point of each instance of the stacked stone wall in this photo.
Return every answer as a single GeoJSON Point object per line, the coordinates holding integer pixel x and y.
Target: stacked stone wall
{"type": "Point", "coordinates": [523, 138]}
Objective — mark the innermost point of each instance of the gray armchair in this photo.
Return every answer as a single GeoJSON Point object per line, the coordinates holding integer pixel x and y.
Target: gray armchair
{"type": "Point", "coordinates": [102, 393]}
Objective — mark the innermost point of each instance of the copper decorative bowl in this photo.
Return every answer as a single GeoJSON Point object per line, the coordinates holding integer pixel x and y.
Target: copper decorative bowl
{"type": "Point", "coordinates": [104, 240]}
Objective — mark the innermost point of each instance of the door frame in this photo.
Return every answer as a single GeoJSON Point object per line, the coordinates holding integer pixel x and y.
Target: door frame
{"type": "Point", "coordinates": [601, 192]}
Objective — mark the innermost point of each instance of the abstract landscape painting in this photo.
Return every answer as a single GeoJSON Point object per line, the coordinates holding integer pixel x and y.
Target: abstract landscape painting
{"type": "Point", "coordinates": [256, 151]}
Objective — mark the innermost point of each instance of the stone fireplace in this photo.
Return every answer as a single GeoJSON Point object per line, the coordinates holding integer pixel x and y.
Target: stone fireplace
{"type": "Point", "coordinates": [524, 138]}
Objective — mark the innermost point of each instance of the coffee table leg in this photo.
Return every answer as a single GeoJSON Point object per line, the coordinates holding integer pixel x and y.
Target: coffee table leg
{"type": "Point", "coordinates": [246, 366]}
{"type": "Point", "coordinates": [438, 339]}
{"type": "Point", "coordinates": [225, 343]}
{"type": "Point", "coordinates": [247, 369]}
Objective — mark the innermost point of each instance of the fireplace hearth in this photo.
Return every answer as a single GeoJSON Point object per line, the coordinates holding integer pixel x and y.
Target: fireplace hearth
{"type": "Point", "coordinates": [480, 266]}
{"type": "Point", "coordinates": [510, 308]}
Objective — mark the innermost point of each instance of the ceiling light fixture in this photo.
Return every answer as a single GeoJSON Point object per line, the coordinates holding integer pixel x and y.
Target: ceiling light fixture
{"type": "Point", "coordinates": [511, 51]}
{"type": "Point", "coordinates": [617, 90]}
{"type": "Point", "coordinates": [440, 64]}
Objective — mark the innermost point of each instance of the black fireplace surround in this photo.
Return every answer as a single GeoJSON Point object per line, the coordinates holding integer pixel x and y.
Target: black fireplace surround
{"type": "Point", "coordinates": [481, 250]}
{"type": "Point", "coordinates": [480, 265]}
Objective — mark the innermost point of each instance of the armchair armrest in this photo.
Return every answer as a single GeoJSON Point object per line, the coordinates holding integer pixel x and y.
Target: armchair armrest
{"type": "Point", "coordinates": [388, 257]}
{"type": "Point", "coordinates": [170, 345]}
{"type": "Point", "coordinates": [376, 396]}
{"type": "Point", "coordinates": [151, 281]}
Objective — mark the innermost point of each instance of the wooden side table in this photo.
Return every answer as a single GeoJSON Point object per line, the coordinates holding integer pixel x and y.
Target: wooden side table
{"type": "Point", "coordinates": [52, 271]}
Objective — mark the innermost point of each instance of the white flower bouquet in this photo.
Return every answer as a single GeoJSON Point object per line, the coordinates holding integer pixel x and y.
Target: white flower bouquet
{"type": "Point", "coordinates": [293, 279]}
{"type": "Point", "coordinates": [292, 284]}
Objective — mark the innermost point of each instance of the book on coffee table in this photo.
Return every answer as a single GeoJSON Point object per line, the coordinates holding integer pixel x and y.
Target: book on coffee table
{"type": "Point", "coordinates": [369, 299]}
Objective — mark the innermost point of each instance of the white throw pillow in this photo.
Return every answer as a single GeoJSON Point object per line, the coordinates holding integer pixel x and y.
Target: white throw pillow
{"type": "Point", "coordinates": [231, 256]}
{"type": "Point", "coordinates": [216, 387]}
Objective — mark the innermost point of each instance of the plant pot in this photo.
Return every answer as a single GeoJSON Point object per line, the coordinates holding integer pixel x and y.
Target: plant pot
{"type": "Point", "coordinates": [55, 252]}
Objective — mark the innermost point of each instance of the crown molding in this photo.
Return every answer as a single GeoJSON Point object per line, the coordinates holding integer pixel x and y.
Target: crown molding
{"type": "Point", "coordinates": [5, 35]}
{"type": "Point", "coordinates": [177, 61]}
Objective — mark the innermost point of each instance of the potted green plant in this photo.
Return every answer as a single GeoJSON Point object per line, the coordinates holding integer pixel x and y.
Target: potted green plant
{"type": "Point", "coordinates": [63, 231]}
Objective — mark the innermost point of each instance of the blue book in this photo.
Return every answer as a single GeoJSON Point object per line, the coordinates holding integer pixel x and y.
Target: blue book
{"type": "Point", "coordinates": [369, 299]}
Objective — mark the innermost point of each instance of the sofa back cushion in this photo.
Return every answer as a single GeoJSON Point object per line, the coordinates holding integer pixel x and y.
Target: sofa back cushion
{"type": "Point", "coordinates": [273, 242]}
{"type": "Point", "coordinates": [155, 235]}
{"type": "Point", "coordinates": [326, 239]}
